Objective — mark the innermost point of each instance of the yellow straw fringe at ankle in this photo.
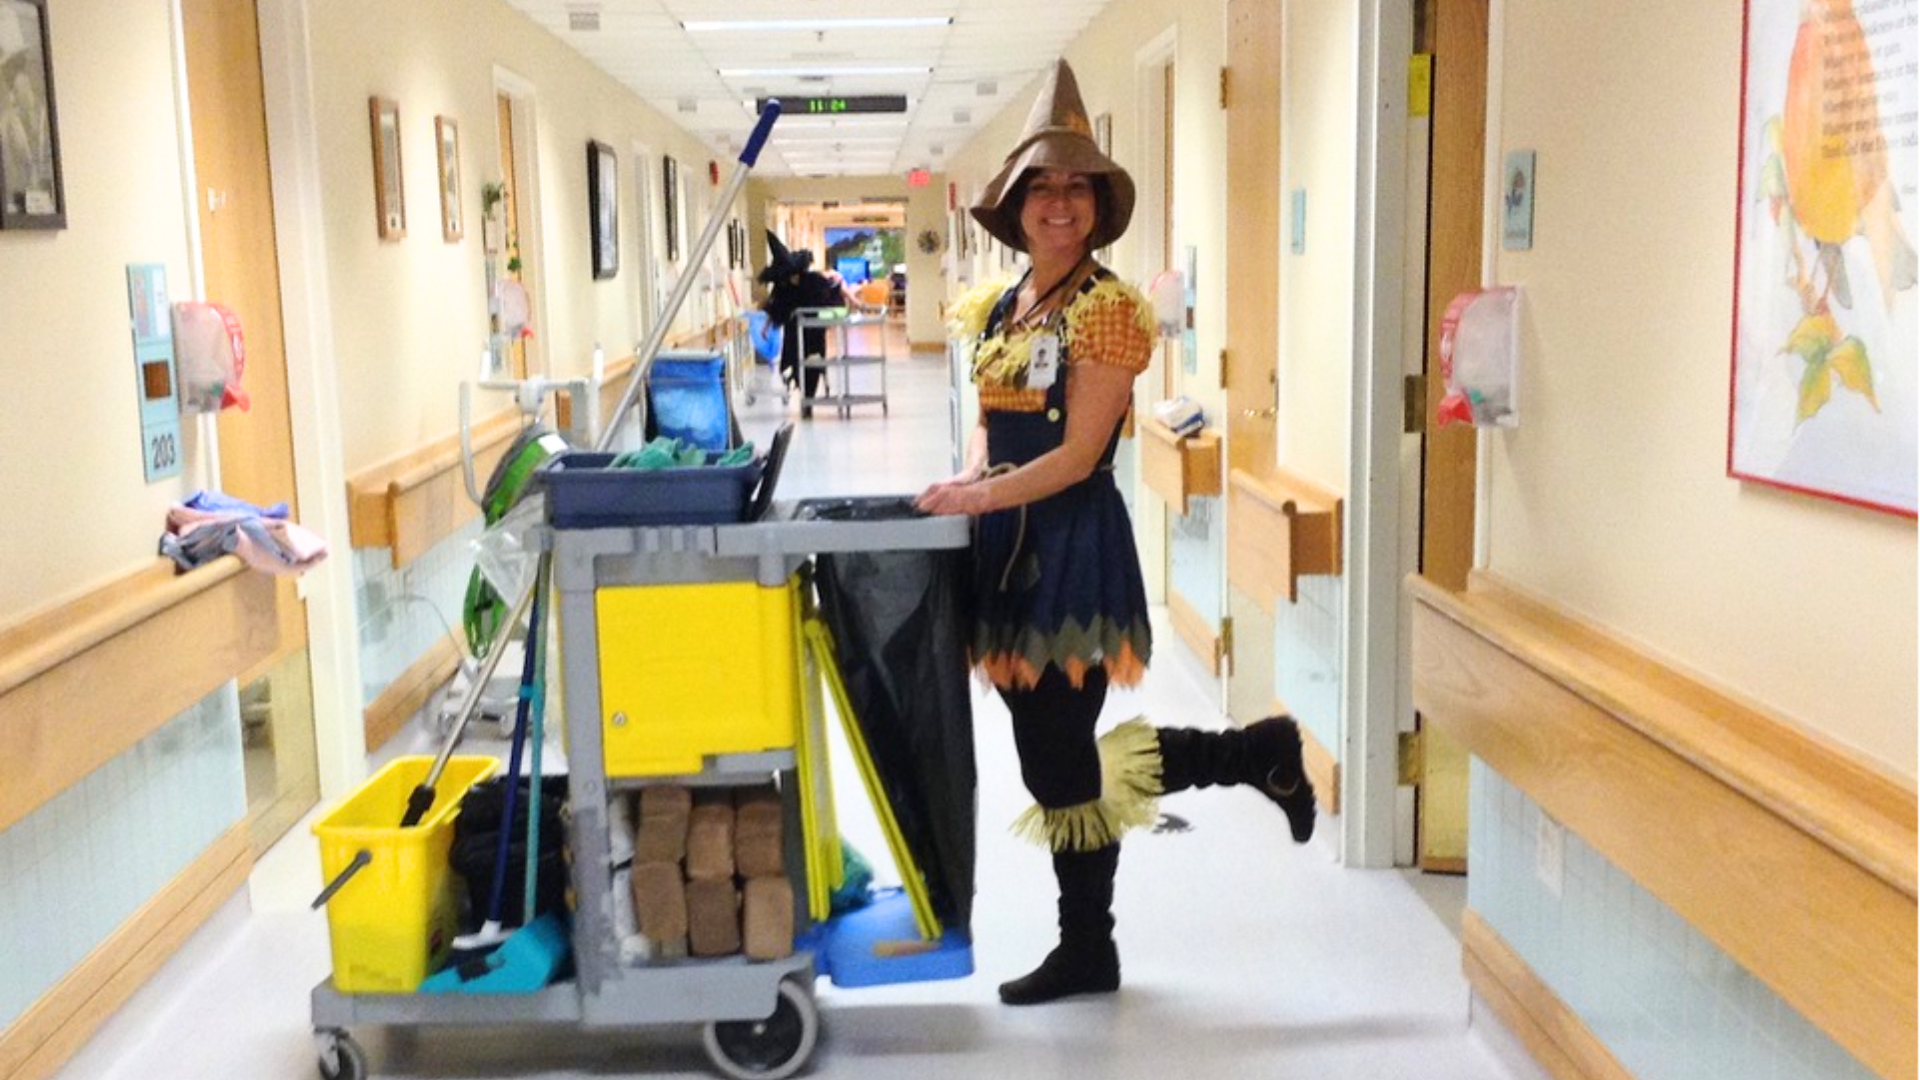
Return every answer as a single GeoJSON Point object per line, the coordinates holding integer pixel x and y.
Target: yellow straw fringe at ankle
{"type": "Point", "coordinates": [1129, 790]}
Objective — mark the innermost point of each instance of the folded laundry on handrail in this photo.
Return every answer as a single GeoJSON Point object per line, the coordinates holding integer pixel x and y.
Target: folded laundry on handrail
{"type": "Point", "coordinates": [668, 452]}
{"type": "Point", "coordinates": [209, 524]}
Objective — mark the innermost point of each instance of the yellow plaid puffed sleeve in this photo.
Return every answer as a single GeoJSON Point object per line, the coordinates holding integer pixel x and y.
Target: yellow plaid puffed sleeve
{"type": "Point", "coordinates": [1111, 324]}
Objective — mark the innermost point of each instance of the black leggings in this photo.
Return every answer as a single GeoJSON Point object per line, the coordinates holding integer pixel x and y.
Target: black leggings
{"type": "Point", "coordinates": [1053, 731]}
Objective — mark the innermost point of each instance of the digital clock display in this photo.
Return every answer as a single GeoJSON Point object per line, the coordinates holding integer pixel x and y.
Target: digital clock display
{"type": "Point", "coordinates": [838, 106]}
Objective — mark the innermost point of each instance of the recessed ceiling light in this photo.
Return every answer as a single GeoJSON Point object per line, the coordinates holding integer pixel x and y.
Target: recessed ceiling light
{"type": "Point", "coordinates": [898, 22]}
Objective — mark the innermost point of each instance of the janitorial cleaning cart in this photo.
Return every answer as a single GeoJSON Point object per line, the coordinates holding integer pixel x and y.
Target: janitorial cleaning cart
{"type": "Point", "coordinates": [691, 614]}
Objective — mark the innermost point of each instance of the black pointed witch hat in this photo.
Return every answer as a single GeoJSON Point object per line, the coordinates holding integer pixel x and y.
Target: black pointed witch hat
{"type": "Point", "coordinates": [782, 263]}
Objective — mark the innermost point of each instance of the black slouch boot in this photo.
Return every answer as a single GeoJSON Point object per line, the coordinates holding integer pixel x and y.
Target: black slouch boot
{"type": "Point", "coordinates": [1265, 756]}
{"type": "Point", "coordinates": [1085, 961]}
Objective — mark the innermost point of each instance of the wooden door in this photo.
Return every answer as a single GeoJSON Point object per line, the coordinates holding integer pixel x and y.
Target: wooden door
{"type": "Point", "coordinates": [241, 269]}
{"type": "Point", "coordinates": [1251, 360]}
{"type": "Point", "coordinates": [1458, 41]}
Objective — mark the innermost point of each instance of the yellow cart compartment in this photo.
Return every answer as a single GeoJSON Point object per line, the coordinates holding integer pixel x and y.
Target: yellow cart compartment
{"type": "Point", "coordinates": [692, 670]}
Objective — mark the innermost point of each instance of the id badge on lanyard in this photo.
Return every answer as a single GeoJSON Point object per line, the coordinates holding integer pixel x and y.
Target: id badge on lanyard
{"type": "Point", "coordinates": [1043, 367]}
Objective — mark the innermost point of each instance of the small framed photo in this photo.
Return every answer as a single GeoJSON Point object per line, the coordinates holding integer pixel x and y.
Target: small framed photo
{"type": "Point", "coordinates": [446, 137]}
{"type": "Point", "coordinates": [670, 196]}
{"type": "Point", "coordinates": [31, 193]}
{"type": "Point", "coordinates": [603, 197]}
{"type": "Point", "coordinates": [389, 194]}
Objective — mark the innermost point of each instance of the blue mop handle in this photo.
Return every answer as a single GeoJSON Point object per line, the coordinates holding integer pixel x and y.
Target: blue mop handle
{"type": "Point", "coordinates": [761, 130]}
{"type": "Point", "coordinates": [496, 901]}
{"type": "Point", "coordinates": [657, 334]}
{"type": "Point", "coordinates": [537, 733]}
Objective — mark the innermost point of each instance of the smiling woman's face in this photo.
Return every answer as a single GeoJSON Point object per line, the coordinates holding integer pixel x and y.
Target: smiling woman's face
{"type": "Point", "coordinates": [1058, 213]}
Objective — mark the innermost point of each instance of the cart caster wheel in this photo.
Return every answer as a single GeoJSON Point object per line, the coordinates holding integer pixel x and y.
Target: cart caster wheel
{"type": "Point", "coordinates": [769, 1049]}
{"type": "Point", "coordinates": [340, 1057]}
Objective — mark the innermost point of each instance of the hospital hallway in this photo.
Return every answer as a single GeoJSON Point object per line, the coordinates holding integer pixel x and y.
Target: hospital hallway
{"type": "Point", "coordinates": [1243, 955]}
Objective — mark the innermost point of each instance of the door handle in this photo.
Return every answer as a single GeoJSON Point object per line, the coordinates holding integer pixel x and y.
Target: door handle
{"type": "Point", "coordinates": [1267, 413]}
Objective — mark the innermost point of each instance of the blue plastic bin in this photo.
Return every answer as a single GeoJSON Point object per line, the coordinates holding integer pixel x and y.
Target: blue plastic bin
{"type": "Point", "coordinates": [687, 393]}
{"type": "Point", "coordinates": [583, 493]}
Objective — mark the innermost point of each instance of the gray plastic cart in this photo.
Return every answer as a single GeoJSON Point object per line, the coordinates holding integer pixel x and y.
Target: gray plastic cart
{"type": "Point", "coordinates": [760, 1018]}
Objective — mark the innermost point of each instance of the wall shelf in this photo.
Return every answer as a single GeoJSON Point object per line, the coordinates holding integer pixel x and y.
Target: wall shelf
{"type": "Point", "coordinates": [1284, 526]}
{"type": "Point", "coordinates": [1177, 468]}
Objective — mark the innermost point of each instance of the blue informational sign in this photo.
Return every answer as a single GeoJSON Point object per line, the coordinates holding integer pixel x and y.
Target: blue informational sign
{"type": "Point", "coordinates": [1298, 240]}
{"type": "Point", "coordinates": [150, 315]}
{"type": "Point", "coordinates": [1189, 340]}
{"type": "Point", "coordinates": [1516, 202]}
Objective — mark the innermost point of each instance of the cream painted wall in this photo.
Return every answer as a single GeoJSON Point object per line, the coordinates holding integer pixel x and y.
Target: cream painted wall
{"type": "Point", "coordinates": [82, 511]}
{"type": "Point", "coordinates": [1612, 496]}
{"type": "Point", "coordinates": [1318, 132]}
{"type": "Point", "coordinates": [409, 316]}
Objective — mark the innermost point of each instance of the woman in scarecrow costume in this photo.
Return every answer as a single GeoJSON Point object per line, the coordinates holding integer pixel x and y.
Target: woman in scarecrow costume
{"type": "Point", "coordinates": [1061, 611]}
{"type": "Point", "coordinates": [792, 284]}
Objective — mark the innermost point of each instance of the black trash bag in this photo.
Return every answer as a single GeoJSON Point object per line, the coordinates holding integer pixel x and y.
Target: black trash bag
{"type": "Point", "coordinates": [899, 622]}
{"type": "Point", "coordinates": [476, 847]}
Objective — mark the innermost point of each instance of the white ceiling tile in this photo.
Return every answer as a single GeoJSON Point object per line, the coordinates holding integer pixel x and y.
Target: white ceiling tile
{"type": "Point", "coordinates": [641, 44]}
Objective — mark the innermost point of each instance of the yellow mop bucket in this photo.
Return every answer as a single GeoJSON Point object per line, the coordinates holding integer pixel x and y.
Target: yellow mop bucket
{"type": "Point", "coordinates": [391, 906]}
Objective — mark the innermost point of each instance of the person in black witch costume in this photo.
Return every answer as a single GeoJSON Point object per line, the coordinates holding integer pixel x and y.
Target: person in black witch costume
{"type": "Point", "coordinates": [792, 284]}
{"type": "Point", "coordinates": [1060, 608]}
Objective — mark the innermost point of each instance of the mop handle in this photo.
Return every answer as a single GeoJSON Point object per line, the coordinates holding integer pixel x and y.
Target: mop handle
{"type": "Point", "coordinates": [536, 735]}
{"type": "Point", "coordinates": [422, 798]}
{"type": "Point", "coordinates": [658, 333]}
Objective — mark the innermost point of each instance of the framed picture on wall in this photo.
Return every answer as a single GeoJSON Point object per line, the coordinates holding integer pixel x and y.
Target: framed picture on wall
{"type": "Point", "coordinates": [670, 200]}
{"type": "Point", "coordinates": [603, 196]}
{"type": "Point", "coordinates": [389, 194]}
{"type": "Point", "coordinates": [1826, 384]}
{"type": "Point", "coordinates": [32, 195]}
{"type": "Point", "coordinates": [446, 137]}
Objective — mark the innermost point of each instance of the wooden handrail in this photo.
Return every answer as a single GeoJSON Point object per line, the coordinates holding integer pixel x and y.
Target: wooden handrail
{"type": "Point", "coordinates": [39, 643]}
{"type": "Point", "coordinates": [1791, 855]}
{"type": "Point", "coordinates": [1859, 811]}
{"type": "Point", "coordinates": [168, 641]}
{"type": "Point", "coordinates": [412, 502]}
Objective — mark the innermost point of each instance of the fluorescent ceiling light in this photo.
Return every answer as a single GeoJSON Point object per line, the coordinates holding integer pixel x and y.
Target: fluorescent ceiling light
{"type": "Point", "coordinates": [836, 121]}
{"type": "Point", "coordinates": [816, 139]}
{"type": "Point", "coordinates": [898, 22]}
{"type": "Point", "coordinates": [818, 72]}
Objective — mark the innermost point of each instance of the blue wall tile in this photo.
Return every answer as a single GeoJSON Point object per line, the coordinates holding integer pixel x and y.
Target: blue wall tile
{"type": "Point", "coordinates": [403, 613]}
{"type": "Point", "coordinates": [1666, 1001]}
{"type": "Point", "coordinates": [78, 867]}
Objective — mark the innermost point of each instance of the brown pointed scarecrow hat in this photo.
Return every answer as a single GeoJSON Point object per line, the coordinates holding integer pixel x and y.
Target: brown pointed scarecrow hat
{"type": "Point", "coordinates": [1058, 135]}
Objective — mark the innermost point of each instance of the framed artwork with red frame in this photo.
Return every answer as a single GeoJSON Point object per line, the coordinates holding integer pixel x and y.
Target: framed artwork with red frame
{"type": "Point", "coordinates": [1825, 395]}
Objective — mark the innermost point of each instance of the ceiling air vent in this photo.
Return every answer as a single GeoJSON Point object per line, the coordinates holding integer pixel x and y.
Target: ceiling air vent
{"type": "Point", "coordinates": [584, 20]}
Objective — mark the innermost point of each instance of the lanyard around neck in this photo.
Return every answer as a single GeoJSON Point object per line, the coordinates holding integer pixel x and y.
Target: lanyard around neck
{"type": "Point", "coordinates": [1041, 301]}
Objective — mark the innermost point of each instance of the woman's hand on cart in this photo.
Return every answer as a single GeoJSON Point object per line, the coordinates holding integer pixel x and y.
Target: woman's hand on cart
{"type": "Point", "coordinates": [961, 494]}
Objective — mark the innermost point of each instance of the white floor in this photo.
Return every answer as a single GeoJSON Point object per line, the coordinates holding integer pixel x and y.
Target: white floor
{"type": "Point", "coordinates": [1243, 954]}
